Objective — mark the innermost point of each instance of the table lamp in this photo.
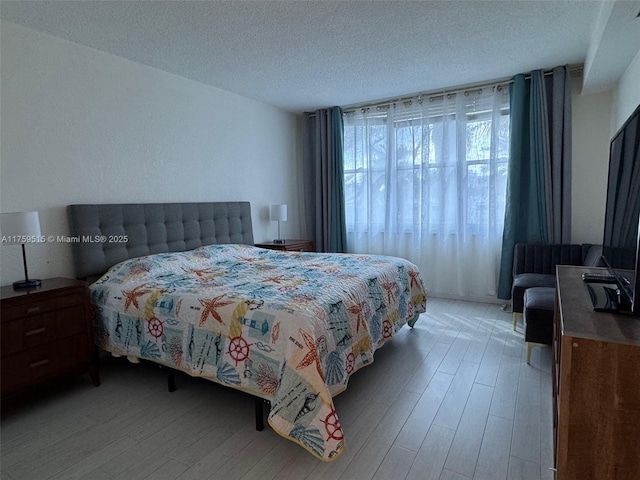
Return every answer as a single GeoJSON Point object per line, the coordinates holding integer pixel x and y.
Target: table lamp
{"type": "Point", "coordinates": [279, 214]}
{"type": "Point", "coordinates": [17, 229]}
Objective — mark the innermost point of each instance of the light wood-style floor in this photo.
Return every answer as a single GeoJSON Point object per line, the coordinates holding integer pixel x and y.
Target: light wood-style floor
{"type": "Point", "coordinates": [450, 399]}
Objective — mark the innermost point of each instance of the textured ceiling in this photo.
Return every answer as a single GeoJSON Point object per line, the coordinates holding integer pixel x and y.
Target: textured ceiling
{"type": "Point", "coordinates": [304, 55]}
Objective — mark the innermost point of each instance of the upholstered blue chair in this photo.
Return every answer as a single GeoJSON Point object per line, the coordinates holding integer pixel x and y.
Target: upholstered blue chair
{"type": "Point", "coordinates": [533, 290]}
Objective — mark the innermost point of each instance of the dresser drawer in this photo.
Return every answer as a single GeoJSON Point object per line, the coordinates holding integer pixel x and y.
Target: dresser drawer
{"type": "Point", "coordinates": [35, 330]}
{"type": "Point", "coordinates": [50, 359]}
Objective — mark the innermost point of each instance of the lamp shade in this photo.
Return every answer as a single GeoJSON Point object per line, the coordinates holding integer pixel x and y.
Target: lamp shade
{"type": "Point", "coordinates": [16, 227]}
{"type": "Point", "coordinates": [279, 213]}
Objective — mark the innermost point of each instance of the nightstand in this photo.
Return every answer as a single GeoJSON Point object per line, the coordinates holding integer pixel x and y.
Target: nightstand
{"type": "Point", "coordinates": [46, 333]}
{"type": "Point", "coordinates": [289, 245]}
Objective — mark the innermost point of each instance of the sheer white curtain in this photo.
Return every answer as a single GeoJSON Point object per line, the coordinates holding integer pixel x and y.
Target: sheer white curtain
{"type": "Point", "coordinates": [425, 180]}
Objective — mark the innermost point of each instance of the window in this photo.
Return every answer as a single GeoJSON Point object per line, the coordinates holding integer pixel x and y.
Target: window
{"type": "Point", "coordinates": [422, 173]}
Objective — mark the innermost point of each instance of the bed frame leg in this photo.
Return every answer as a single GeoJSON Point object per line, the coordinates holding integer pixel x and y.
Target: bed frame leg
{"type": "Point", "coordinates": [259, 403]}
{"type": "Point", "coordinates": [171, 380]}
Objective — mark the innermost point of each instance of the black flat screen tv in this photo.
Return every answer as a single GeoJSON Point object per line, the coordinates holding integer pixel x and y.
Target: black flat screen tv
{"type": "Point", "coordinates": [621, 241]}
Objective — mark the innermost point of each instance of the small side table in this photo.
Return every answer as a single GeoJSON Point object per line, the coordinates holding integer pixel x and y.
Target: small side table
{"type": "Point", "coordinates": [47, 333]}
{"type": "Point", "coordinates": [289, 245]}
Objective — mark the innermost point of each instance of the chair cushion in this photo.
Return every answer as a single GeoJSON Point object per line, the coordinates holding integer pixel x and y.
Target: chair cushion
{"type": "Point", "coordinates": [540, 298]}
{"type": "Point", "coordinates": [539, 305]}
{"type": "Point", "coordinates": [524, 281]}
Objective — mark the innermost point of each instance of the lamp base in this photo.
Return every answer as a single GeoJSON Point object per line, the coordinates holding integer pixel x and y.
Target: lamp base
{"type": "Point", "coordinates": [31, 283]}
{"type": "Point", "coordinates": [279, 240]}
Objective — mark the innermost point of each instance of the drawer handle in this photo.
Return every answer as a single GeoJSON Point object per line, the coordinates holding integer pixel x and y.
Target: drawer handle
{"type": "Point", "coordinates": [39, 363]}
{"type": "Point", "coordinates": [33, 310]}
{"type": "Point", "coordinates": [35, 331]}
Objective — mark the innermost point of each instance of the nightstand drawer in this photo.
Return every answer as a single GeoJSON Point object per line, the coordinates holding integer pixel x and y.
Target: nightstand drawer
{"type": "Point", "coordinates": [43, 306]}
{"type": "Point", "coordinates": [36, 330]}
{"type": "Point", "coordinates": [288, 246]}
{"type": "Point", "coordinates": [50, 359]}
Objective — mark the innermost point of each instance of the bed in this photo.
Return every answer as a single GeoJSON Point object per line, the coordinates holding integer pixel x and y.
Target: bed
{"type": "Point", "coordinates": [182, 285]}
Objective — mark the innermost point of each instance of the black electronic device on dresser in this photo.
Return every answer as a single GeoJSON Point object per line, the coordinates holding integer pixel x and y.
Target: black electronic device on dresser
{"type": "Point", "coordinates": [47, 334]}
{"type": "Point", "coordinates": [621, 240]}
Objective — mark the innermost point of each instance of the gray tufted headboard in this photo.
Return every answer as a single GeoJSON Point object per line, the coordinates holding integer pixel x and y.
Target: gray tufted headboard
{"type": "Point", "coordinates": [108, 234]}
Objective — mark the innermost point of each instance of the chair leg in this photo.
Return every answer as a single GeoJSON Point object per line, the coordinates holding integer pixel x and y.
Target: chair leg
{"type": "Point", "coordinates": [516, 316]}
{"type": "Point", "coordinates": [530, 346]}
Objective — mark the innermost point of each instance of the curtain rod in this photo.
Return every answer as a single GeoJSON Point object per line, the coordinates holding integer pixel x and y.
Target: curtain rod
{"type": "Point", "coordinates": [574, 71]}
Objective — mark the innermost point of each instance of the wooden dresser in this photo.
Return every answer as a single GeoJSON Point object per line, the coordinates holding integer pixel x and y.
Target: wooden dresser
{"type": "Point", "coordinates": [46, 333]}
{"type": "Point", "coordinates": [596, 386]}
{"type": "Point", "coordinates": [289, 245]}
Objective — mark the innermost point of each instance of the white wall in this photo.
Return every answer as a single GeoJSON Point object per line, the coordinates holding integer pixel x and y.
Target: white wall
{"type": "Point", "coordinates": [596, 118]}
{"type": "Point", "coordinates": [627, 93]}
{"type": "Point", "coordinates": [591, 119]}
{"type": "Point", "coordinates": [83, 126]}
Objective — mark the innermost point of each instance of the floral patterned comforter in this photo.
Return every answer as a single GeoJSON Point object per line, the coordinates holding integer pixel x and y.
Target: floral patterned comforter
{"type": "Point", "coordinates": [286, 327]}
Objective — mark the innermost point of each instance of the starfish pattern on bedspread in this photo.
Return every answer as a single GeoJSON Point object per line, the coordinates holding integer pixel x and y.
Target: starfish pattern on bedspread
{"type": "Point", "coordinates": [210, 308]}
{"type": "Point", "coordinates": [132, 296]}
